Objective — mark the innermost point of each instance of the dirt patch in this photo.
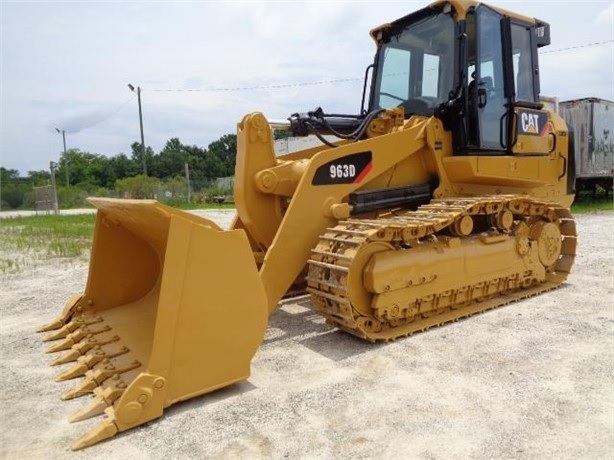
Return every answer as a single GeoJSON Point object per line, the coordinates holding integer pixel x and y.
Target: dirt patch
{"type": "Point", "coordinates": [533, 379]}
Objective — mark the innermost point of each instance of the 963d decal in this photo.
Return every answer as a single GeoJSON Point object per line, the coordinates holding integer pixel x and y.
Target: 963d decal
{"type": "Point", "coordinates": [350, 169]}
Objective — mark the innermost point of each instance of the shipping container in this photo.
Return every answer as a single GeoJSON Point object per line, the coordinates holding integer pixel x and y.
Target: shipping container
{"type": "Point", "coordinates": [592, 122]}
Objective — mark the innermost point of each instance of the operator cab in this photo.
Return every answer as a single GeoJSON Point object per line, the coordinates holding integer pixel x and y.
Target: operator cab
{"type": "Point", "coordinates": [473, 66]}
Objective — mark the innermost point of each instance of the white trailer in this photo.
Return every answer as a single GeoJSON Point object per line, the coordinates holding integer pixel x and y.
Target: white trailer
{"type": "Point", "coordinates": [592, 122]}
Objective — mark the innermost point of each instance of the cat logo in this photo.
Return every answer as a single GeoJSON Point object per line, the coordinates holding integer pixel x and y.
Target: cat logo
{"type": "Point", "coordinates": [530, 123]}
{"type": "Point", "coordinates": [533, 123]}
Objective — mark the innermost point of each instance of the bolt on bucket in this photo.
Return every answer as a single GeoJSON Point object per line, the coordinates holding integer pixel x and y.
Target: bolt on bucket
{"type": "Point", "coordinates": [173, 308]}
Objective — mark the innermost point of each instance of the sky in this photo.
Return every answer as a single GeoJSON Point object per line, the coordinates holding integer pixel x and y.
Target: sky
{"type": "Point", "coordinates": [203, 65]}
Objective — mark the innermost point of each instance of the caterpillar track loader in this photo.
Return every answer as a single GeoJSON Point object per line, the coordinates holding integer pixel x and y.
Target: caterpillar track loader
{"type": "Point", "coordinates": [445, 196]}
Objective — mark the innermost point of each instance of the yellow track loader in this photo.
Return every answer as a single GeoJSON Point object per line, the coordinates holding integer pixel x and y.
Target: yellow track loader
{"type": "Point", "coordinates": [445, 196]}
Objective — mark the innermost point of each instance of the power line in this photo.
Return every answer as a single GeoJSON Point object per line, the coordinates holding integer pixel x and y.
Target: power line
{"type": "Point", "coordinates": [322, 82]}
{"type": "Point", "coordinates": [250, 88]}
{"type": "Point", "coordinates": [110, 114]}
{"type": "Point", "coordinates": [577, 46]}
{"type": "Point", "coordinates": [97, 122]}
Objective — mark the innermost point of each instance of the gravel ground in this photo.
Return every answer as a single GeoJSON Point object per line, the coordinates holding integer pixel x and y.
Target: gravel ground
{"type": "Point", "coordinates": [530, 380]}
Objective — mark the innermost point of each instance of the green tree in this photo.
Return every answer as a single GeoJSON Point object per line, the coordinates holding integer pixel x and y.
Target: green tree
{"type": "Point", "coordinates": [137, 155]}
{"type": "Point", "coordinates": [123, 166]}
{"type": "Point", "coordinates": [137, 186]}
{"type": "Point", "coordinates": [11, 194]}
{"type": "Point", "coordinates": [90, 171]}
{"type": "Point", "coordinates": [7, 175]}
{"type": "Point", "coordinates": [196, 163]}
{"type": "Point", "coordinates": [100, 172]}
{"type": "Point", "coordinates": [221, 156]}
{"type": "Point", "coordinates": [170, 161]}
{"type": "Point", "coordinates": [77, 166]}
{"type": "Point", "coordinates": [39, 178]}
{"type": "Point", "coordinates": [16, 191]}
{"type": "Point", "coordinates": [81, 173]}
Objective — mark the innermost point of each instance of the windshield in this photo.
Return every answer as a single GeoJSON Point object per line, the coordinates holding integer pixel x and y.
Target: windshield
{"type": "Point", "coordinates": [416, 66]}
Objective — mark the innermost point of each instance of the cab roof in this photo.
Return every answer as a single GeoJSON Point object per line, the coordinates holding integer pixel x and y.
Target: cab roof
{"type": "Point", "coordinates": [461, 7]}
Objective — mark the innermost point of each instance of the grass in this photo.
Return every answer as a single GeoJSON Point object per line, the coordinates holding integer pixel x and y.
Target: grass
{"type": "Point", "coordinates": [27, 240]}
{"type": "Point", "coordinates": [585, 202]}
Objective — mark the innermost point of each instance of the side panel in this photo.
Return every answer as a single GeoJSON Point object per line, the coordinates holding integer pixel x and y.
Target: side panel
{"type": "Point", "coordinates": [601, 156]}
{"type": "Point", "coordinates": [533, 132]}
{"type": "Point", "coordinates": [592, 121]}
{"type": "Point", "coordinates": [542, 175]}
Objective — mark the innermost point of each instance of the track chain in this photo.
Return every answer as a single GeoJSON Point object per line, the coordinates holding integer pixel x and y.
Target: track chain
{"type": "Point", "coordinates": [331, 261]}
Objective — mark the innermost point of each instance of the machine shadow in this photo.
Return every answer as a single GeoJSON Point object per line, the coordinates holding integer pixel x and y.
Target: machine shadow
{"type": "Point", "coordinates": [229, 392]}
{"type": "Point", "coordinates": [295, 320]}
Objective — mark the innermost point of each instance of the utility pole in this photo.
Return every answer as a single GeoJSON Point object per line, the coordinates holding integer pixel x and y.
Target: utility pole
{"type": "Point", "coordinates": [52, 166]}
{"type": "Point", "coordinates": [187, 179]}
{"type": "Point", "coordinates": [65, 158]}
{"type": "Point", "coordinates": [138, 93]}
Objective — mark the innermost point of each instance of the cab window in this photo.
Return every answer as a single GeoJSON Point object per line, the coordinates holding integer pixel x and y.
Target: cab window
{"type": "Point", "coordinates": [522, 59]}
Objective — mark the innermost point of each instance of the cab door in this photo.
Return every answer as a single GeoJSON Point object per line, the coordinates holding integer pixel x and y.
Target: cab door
{"type": "Point", "coordinates": [489, 93]}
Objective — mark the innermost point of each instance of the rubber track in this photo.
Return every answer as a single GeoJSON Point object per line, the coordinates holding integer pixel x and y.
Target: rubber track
{"type": "Point", "coordinates": [330, 260]}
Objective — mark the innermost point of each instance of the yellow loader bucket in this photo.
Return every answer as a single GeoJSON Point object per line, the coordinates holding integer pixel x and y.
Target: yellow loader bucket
{"type": "Point", "coordinates": [161, 319]}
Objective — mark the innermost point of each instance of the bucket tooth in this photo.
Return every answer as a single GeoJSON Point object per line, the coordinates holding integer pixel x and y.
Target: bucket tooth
{"type": "Point", "coordinates": [60, 346]}
{"type": "Point", "coordinates": [77, 370]}
{"type": "Point", "coordinates": [72, 326]}
{"type": "Point", "coordinates": [81, 349]}
{"type": "Point", "coordinates": [96, 377]}
{"type": "Point", "coordinates": [85, 387]}
{"type": "Point", "coordinates": [70, 355]}
{"type": "Point", "coordinates": [103, 398]}
{"type": "Point", "coordinates": [62, 332]}
{"type": "Point", "coordinates": [87, 362]}
{"type": "Point", "coordinates": [114, 391]}
{"type": "Point", "coordinates": [104, 430]}
{"type": "Point", "coordinates": [96, 407]}
{"type": "Point", "coordinates": [85, 331]}
{"type": "Point", "coordinates": [65, 316]}
{"type": "Point", "coordinates": [65, 344]}
{"type": "Point", "coordinates": [51, 326]}
{"type": "Point", "coordinates": [75, 337]}
{"type": "Point", "coordinates": [98, 354]}
{"type": "Point", "coordinates": [108, 370]}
